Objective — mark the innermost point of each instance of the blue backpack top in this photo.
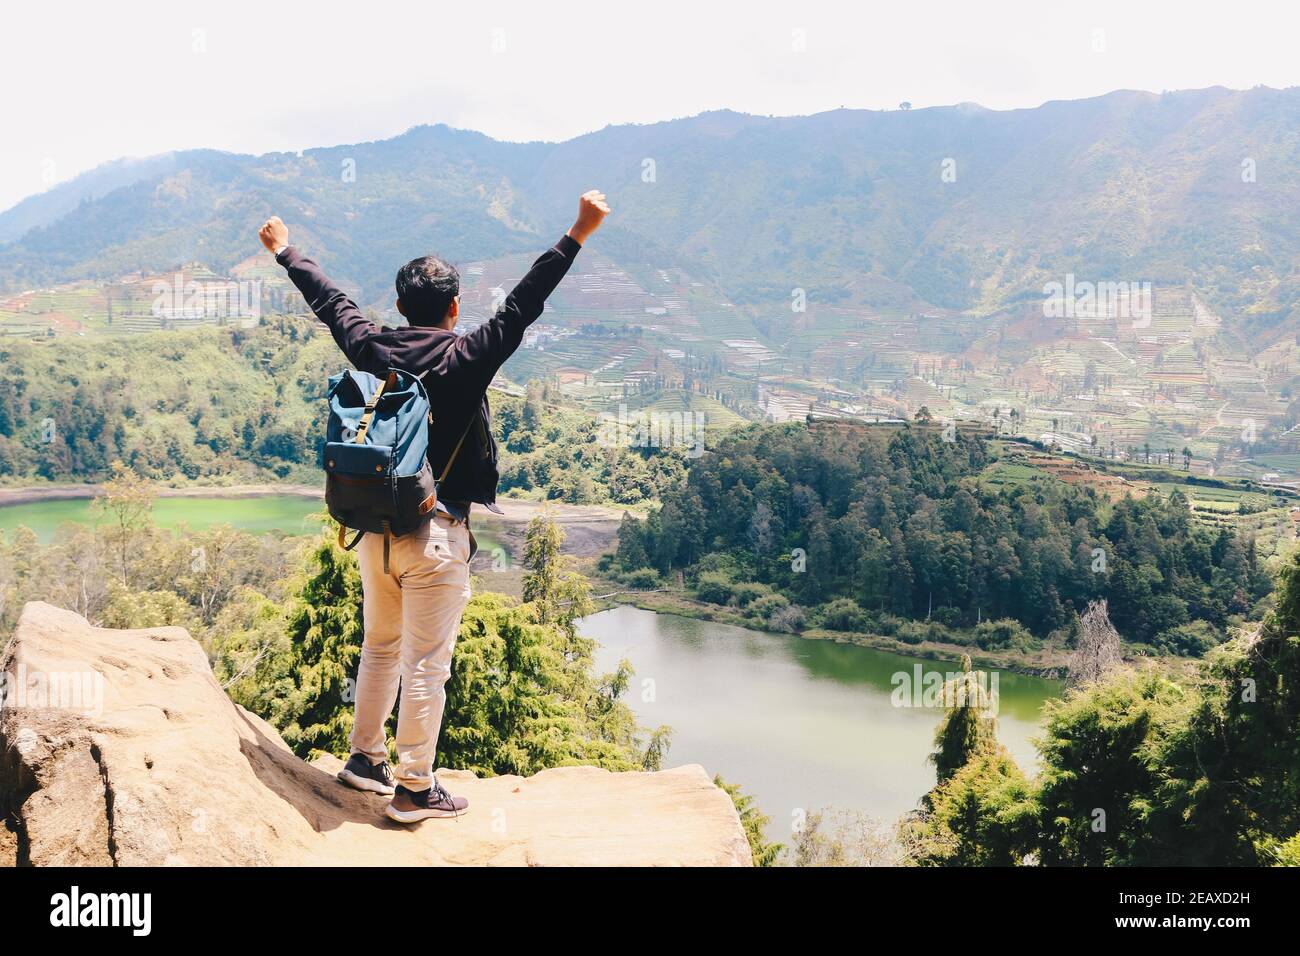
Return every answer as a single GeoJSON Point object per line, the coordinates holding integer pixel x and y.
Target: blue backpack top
{"type": "Point", "coordinates": [376, 456]}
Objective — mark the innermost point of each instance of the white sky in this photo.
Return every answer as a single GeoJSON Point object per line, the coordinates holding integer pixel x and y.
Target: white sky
{"type": "Point", "coordinates": [82, 83]}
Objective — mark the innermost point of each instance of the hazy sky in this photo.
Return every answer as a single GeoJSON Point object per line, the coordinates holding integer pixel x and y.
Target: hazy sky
{"type": "Point", "coordinates": [87, 82]}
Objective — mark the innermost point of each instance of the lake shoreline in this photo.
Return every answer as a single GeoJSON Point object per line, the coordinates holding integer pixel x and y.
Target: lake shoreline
{"type": "Point", "coordinates": [1048, 666]}
{"type": "Point", "coordinates": [33, 494]}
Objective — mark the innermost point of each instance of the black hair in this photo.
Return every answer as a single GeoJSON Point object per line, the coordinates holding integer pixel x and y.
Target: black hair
{"type": "Point", "coordinates": [425, 287]}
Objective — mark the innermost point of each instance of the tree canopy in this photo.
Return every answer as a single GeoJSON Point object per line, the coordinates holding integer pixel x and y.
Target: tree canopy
{"type": "Point", "coordinates": [897, 521]}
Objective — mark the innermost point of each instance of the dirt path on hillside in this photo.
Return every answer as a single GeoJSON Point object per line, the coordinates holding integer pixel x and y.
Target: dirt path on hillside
{"type": "Point", "coordinates": [589, 529]}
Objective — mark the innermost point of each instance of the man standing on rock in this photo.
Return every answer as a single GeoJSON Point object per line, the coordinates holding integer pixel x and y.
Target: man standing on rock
{"type": "Point", "coordinates": [412, 611]}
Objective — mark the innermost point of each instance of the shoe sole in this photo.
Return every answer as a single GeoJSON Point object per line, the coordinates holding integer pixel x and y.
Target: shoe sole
{"type": "Point", "coordinates": [364, 783]}
{"type": "Point", "coordinates": [415, 816]}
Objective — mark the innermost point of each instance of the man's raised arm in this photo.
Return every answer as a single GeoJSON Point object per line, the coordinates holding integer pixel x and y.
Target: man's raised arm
{"type": "Point", "coordinates": [350, 328]}
{"type": "Point", "coordinates": [488, 346]}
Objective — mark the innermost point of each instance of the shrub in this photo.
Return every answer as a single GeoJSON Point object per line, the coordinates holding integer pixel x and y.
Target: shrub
{"type": "Point", "coordinates": [714, 587]}
{"type": "Point", "coordinates": [762, 607]}
{"type": "Point", "coordinates": [1003, 634]}
{"type": "Point", "coordinates": [914, 632]}
{"type": "Point", "coordinates": [947, 616]}
{"type": "Point", "coordinates": [748, 591]}
{"type": "Point", "coordinates": [1192, 639]}
{"type": "Point", "coordinates": [790, 619]}
{"type": "Point", "coordinates": [642, 578]}
{"type": "Point", "coordinates": [843, 838]}
{"type": "Point", "coordinates": [910, 632]}
{"type": "Point", "coordinates": [843, 614]}
{"type": "Point", "coordinates": [127, 608]}
{"type": "Point", "coordinates": [888, 624]}
{"type": "Point", "coordinates": [716, 561]}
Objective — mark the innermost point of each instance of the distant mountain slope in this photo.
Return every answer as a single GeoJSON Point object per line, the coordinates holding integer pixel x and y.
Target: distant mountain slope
{"type": "Point", "coordinates": [1126, 186]}
{"type": "Point", "coordinates": [44, 208]}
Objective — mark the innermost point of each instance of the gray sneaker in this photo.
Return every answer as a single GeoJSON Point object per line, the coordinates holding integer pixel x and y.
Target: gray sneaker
{"type": "Point", "coordinates": [412, 806]}
{"type": "Point", "coordinates": [360, 773]}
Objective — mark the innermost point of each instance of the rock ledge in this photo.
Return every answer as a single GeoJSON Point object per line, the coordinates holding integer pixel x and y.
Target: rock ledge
{"type": "Point", "coordinates": [146, 762]}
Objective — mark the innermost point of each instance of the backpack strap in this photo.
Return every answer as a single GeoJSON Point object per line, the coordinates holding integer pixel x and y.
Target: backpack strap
{"type": "Point", "coordinates": [369, 413]}
{"type": "Point", "coordinates": [362, 427]}
{"type": "Point", "coordinates": [342, 533]}
{"type": "Point", "coordinates": [388, 537]}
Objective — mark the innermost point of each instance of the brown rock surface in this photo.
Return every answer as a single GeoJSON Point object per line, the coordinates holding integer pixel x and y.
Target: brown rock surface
{"type": "Point", "coordinates": [166, 769]}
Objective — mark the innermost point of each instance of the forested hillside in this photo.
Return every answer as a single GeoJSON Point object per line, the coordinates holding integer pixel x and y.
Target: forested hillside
{"type": "Point", "coordinates": [235, 405]}
{"type": "Point", "coordinates": [863, 528]}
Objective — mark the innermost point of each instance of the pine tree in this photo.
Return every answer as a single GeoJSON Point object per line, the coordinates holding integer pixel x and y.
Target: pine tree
{"type": "Point", "coordinates": [631, 553]}
{"type": "Point", "coordinates": [559, 594]}
{"type": "Point", "coordinates": [325, 631]}
{"type": "Point", "coordinates": [754, 823]}
{"type": "Point", "coordinates": [969, 728]}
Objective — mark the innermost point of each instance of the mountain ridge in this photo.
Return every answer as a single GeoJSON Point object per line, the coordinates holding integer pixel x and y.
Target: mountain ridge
{"type": "Point", "coordinates": [1128, 184]}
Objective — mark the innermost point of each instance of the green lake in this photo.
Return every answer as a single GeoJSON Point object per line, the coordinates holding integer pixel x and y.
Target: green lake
{"type": "Point", "coordinates": [261, 514]}
{"type": "Point", "coordinates": [799, 724]}
{"type": "Point", "coordinates": [280, 514]}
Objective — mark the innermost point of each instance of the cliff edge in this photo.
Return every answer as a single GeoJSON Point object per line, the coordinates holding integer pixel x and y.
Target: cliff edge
{"type": "Point", "coordinates": [119, 748]}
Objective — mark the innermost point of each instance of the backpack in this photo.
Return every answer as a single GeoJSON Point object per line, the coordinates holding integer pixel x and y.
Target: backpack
{"type": "Point", "coordinates": [376, 456]}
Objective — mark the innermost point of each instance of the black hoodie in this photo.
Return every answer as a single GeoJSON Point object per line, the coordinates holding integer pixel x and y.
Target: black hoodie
{"type": "Point", "coordinates": [456, 369]}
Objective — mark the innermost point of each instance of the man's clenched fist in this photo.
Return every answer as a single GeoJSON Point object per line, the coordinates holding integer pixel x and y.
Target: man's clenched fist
{"type": "Point", "coordinates": [592, 210]}
{"type": "Point", "coordinates": [274, 234]}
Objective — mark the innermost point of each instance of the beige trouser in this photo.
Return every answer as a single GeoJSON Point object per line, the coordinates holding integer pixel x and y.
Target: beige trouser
{"type": "Point", "coordinates": [412, 615]}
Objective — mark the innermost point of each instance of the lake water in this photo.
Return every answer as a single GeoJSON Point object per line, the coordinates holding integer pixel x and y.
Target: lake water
{"type": "Point", "coordinates": [799, 724]}
{"type": "Point", "coordinates": [281, 514]}
{"type": "Point", "coordinates": [261, 514]}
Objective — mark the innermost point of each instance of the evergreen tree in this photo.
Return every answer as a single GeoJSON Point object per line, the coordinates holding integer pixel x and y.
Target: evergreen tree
{"type": "Point", "coordinates": [1099, 775]}
{"type": "Point", "coordinates": [559, 593]}
{"type": "Point", "coordinates": [985, 814]}
{"type": "Point", "coordinates": [631, 553]}
{"type": "Point", "coordinates": [325, 633]}
{"type": "Point", "coordinates": [522, 696]}
{"type": "Point", "coordinates": [1232, 791]}
{"type": "Point", "coordinates": [902, 521]}
{"type": "Point", "coordinates": [753, 822]}
{"type": "Point", "coordinates": [968, 729]}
